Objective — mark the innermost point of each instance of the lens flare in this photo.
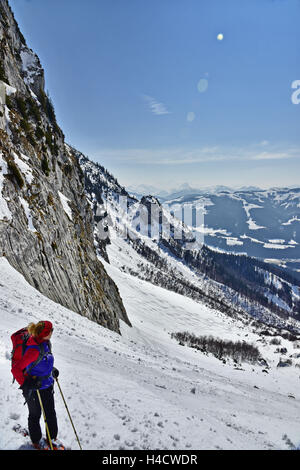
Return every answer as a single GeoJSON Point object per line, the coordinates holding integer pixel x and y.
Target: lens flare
{"type": "Point", "coordinates": [202, 85]}
{"type": "Point", "coordinates": [190, 116]}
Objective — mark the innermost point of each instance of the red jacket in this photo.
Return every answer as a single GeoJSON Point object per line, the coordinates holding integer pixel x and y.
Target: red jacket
{"type": "Point", "coordinates": [30, 356]}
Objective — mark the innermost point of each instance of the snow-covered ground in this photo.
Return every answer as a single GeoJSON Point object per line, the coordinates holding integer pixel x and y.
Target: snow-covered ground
{"type": "Point", "coordinates": [142, 390]}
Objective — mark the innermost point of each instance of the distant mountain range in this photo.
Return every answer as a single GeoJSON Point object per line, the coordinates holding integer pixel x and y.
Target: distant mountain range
{"type": "Point", "coordinates": [132, 230]}
{"type": "Point", "coordinates": [260, 223]}
{"type": "Point", "coordinates": [185, 189]}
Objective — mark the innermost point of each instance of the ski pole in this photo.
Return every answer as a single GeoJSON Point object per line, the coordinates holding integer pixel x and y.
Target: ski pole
{"type": "Point", "coordinates": [68, 412]}
{"type": "Point", "coordinates": [46, 424]}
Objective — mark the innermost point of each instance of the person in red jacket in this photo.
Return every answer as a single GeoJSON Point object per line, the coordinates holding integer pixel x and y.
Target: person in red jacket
{"type": "Point", "coordinates": [39, 377]}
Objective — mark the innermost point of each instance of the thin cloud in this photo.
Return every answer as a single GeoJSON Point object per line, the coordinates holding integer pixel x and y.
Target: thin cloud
{"type": "Point", "coordinates": [156, 107]}
{"type": "Point", "coordinates": [264, 143]}
{"type": "Point", "coordinates": [273, 156]}
{"type": "Point", "coordinates": [183, 156]}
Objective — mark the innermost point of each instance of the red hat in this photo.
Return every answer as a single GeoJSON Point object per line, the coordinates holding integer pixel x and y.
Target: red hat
{"type": "Point", "coordinates": [47, 328]}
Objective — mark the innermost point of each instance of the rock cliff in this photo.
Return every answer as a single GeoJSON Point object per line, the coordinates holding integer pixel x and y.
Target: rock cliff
{"type": "Point", "coordinates": [46, 222]}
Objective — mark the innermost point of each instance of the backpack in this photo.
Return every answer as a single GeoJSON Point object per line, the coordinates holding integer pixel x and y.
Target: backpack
{"type": "Point", "coordinates": [19, 341]}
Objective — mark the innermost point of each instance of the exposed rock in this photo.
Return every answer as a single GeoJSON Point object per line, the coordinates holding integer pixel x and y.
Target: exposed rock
{"type": "Point", "coordinates": [285, 363]}
{"type": "Point", "coordinates": [46, 222]}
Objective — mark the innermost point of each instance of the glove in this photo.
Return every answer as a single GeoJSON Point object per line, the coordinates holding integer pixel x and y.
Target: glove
{"type": "Point", "coordinates": [31, 383]}
{"type": "Point", "coordinates": [55, 372]}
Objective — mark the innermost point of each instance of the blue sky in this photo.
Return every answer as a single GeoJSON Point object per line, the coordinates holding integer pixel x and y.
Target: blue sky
{"type": "Point", "coordinates": [147, 89]}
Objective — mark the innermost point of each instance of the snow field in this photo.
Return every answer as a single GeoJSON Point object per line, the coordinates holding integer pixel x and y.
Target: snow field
{"type": "Point", "coordinates": [142, 390]}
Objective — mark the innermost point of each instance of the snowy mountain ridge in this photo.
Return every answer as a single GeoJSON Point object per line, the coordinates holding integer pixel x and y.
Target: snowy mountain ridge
{"type": "Point", "coordinates": [260, 223]}
{"type": "Point", "coordinates": [235, 284]}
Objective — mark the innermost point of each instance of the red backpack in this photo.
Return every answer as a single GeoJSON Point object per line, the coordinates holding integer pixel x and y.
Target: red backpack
{"type": "Point", "coordinates": [19, 341]}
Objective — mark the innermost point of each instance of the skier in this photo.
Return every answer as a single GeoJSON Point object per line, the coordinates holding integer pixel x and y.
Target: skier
{"type": "Point", "coordinates": [39, 377]}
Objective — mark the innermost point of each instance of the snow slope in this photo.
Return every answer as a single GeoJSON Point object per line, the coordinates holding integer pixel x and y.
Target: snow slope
{"type": "Point", "coordinates": [135, 391]}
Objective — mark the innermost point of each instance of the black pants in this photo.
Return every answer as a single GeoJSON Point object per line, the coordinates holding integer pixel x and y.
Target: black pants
{"type": "Point", "coordinates": [35, 412]}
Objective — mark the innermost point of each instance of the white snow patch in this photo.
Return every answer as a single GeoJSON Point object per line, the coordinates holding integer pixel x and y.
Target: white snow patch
{"type": "Point", "coordinates": [296, 292]}
{"type": "Point", "coordinates": [25, 169]}
{"type": "Point", "coordinates": [10, 90]}
{"type": "Point", "coordinates": [28, 214]}
{"type": "Point", "coordinates": [65, 203]}
{"type": "Point", "coordinates": [28, 65]}
{"type": "Point", "coordinates": [254, 240]}
{"type": "Point", "coordinates": [277, 301]}
{"type": "Point", "coordinates": [6, 90]}
{"type": "Point", "coordinates": [253, 225]}
{"type": "Point", "coordinates": [5, 213]}
{"type": "Point", "coordinates": [233, 241]}
{"type": "Point", "coordinates": [290, 221]}
{"type": "Point", "coordinates": [277, 247]}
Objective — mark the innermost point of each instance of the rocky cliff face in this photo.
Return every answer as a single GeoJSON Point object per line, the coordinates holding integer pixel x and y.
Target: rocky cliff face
{"type": "Point", "coordinates": [46, 222]}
